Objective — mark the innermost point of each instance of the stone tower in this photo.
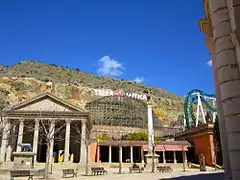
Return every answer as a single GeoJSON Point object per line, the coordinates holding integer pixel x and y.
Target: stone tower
{"type": "Point", "coordinates": [221, 25]}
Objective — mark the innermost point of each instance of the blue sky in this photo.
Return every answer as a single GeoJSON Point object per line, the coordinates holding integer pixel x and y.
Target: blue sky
{"type": "Point", "coordinates": [158, 42]}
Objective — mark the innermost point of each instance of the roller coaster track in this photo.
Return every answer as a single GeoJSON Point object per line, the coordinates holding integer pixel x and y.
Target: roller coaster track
{"type": "Point", "coordinates": [199, 96]}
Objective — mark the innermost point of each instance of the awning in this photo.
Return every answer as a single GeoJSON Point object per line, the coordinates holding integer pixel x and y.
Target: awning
{"type": "Point", "coordinates": [175, 148]}
{"type": "Point", "coordinates": [157, 148]}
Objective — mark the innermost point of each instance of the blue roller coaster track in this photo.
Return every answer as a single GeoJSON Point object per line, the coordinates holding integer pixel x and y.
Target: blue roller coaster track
{"type": "Point", "coordinates": [191, 98]}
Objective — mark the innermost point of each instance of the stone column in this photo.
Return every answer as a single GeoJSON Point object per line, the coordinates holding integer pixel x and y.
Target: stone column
{"type": "Point", "coordinates": [110, 154]}
{"type": "Point", "coordinates": [14, 137]}
{"type": "Point", "coordinates": [20, 135]}
{"type": "Point", "coordinates": [142, 154]}
{"type": "Point", "coordinates": [67, 142]}
{"type": "Point", "coordinates": [185, 157]}
{"type": "Point", "coordinates": [12, 141]}
{"type": "Point", "coordinates": [83, 154]}
{"type": "Point", "coordinates": [164, 157]}
{"type": "Point", "coordinates": [227, 70]}
{"type": "Point", "coordinates": [51, 133]}
{"type": "Point", "coordinates": [9, 146]}
{"type": "Point", "coordinates": [35, 138]}
{"type": "Point", "coordinates": [174, 157]}
{"type": "Point", "coordinates": [120, 154]}
{"type": "Point", "coordinates": [232, 122]}
{"type": "Point", "coordinates": [9, 153]}
{"type": "Point", "coordinates": [131, 154]}
{"type": "Point", "coordinates": [4, 141]}
{"type": "Point", "coordinates": [222, 125]}
{"type": "Point", "coordinates": [150, 128]}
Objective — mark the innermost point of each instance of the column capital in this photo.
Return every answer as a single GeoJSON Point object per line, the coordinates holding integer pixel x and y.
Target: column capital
{"type": "Point", "coordinates": [5, 121]}
{"type": "Point", "coordinates": [68, 121]}
{"type": "Point", "coordinates": [149, 104]}
{"type": "Point", "coordinates": [83, 123]}
{"type": "Point", "coordinates": [5, 118]}
{"type": "Point", "coordinates": [52, 120]}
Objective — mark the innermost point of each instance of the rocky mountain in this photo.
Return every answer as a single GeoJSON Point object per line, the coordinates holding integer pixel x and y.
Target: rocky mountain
{"type": "Point", "coordinates": [29, 78]}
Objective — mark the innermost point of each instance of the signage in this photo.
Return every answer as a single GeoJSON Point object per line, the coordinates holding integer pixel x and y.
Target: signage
{"type": "Point", "coordinates": [119, 92]}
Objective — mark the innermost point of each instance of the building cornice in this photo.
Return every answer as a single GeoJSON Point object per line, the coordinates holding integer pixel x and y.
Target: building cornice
{"type": "Point", "coordinates": [206, 23]}
{"type": "Point", "coordinates": [196, 131]}
{"type": "Point", "coordinates": [45, 114]}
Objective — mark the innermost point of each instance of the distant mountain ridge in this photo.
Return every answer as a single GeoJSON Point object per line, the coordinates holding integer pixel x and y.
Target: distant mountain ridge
{"type": "Point", "coordinates": [29, 78]}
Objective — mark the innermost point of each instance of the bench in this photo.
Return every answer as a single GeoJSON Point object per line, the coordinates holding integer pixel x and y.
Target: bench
{"type": "Point", "coordinates": [98, 171]}
{"type": "Point", "coordinates": [39, 172]}
{"type": "Point", "coordinates": [70, 172]}
{"type": "Point", "coordinates": [21, 173]}
{"type": "Point", "coordinates": [164, 169]}
{"type": "Point", "coordinates": [114, 166]}
{"type": "Point", "coordinates": [136, 169]}
{"type": "Point", "coordinates": [217, 166]}
{"type": "Point", "coordinates": [194, 166]}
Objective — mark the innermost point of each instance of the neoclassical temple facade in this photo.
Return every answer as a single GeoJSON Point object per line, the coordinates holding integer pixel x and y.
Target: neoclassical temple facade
{"type": "Point", "coordinates": [24, 124]}
{"type": "Point", "coordinates": [221, 25]}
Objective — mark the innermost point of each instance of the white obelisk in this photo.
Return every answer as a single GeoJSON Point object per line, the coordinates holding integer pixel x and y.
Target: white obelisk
{"type": "Point", "coordinates": [150, 128]}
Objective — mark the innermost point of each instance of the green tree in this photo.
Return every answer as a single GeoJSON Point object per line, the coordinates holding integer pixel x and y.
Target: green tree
{"type": "Point", "coordinates": [157, 138]}
{"type": "Point", "coordinates": [141, 136]}
{"type": "Point", "coordinates": [104, 137]}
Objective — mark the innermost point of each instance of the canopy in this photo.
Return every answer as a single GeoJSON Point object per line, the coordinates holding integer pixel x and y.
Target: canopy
{"type": "Point", "coordinates": [167, 148]}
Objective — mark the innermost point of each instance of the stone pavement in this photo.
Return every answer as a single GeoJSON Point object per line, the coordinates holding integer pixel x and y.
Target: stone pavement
{"type": "Point", "coordinates": [177, 175]}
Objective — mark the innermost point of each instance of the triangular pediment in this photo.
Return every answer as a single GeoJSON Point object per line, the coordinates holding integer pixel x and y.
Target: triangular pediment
{"type": "Point", "coordinates": [45, 102]}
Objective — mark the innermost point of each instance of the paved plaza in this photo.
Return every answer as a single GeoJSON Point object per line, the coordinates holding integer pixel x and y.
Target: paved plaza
{"type": "Point", "coordinates": [177, 175]}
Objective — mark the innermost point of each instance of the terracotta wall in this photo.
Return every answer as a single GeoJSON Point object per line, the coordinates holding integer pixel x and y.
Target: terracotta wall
{"type": "Point", "coordinates": [94, 152]}
{"type": "Point", "coordinates": [204, 144]}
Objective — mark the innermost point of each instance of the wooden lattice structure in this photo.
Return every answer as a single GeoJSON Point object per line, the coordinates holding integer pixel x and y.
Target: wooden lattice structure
{"type": "Point", "coordinates": [120, 111]}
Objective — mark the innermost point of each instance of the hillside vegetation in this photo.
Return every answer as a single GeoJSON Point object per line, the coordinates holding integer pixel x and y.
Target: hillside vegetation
{"type": "Point", "coordinates": [28, 78]}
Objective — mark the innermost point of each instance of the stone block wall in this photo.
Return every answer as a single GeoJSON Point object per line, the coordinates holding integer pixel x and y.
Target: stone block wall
{"type": "Point", "coordinates": [223, 17]}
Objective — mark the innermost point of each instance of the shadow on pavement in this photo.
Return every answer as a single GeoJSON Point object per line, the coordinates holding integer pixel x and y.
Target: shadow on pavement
{"type": "Point", "coordinates": [215, 176]}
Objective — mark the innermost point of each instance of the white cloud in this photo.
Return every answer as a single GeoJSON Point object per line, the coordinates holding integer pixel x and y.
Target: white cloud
{"type": "Point", "coordinates": [139, 79]}
{"type": "Point", "coordinates": [109, 66]}
{"type": "Point", "coordinates": [209, 63]}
